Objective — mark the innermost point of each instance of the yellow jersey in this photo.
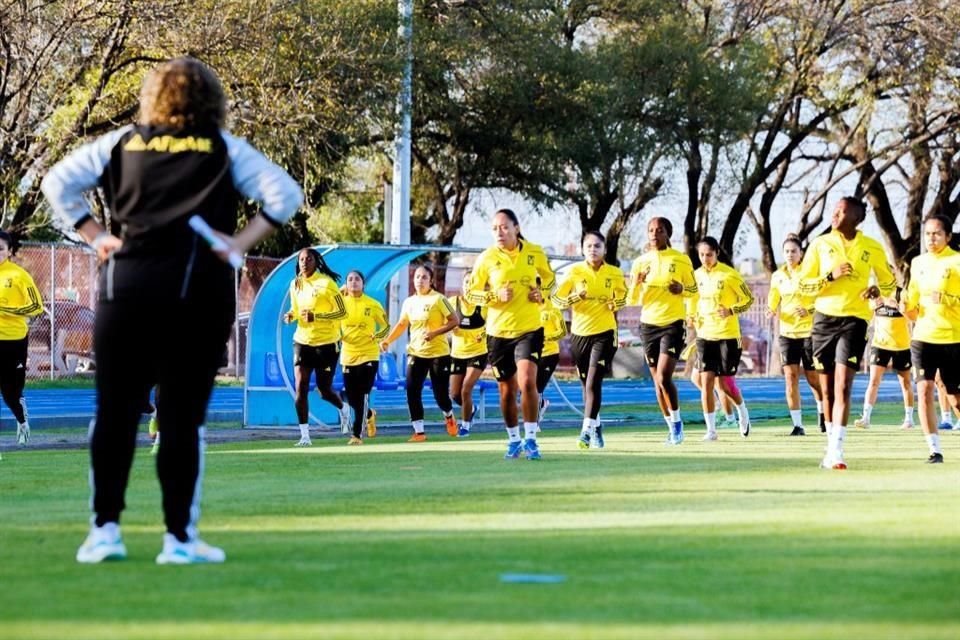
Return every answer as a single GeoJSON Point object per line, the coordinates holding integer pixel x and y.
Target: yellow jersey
{"type": "Point", "coordinates": [426, 313]}
{"type": "Point", "coordinates": [891, 331]}
{"type": "Point", "coordinates": [362, 329]}
{"type": "Point", "coordinates": [469, 339]}
{"type": "Point", "coordinates": [19, 299]}
{"type": "Point", "coordinates": [842, 297]}
{"type": "Point", "coordinates": [523, 269]}
{"type": "Point", "coordinates": [937, 322]}
{"type": "Point", "coordinates": [721, 286]}
{"type": "Point", "coordinates": [554, 329]}
{"type": "Point", "coordinates": [319, 294]}
{"type": "Point", "coordinates": [785, 293]}
{"type": "Point", "coordinates": [659, 306]}
{"type": "Point", "coordinates": [606, 292]}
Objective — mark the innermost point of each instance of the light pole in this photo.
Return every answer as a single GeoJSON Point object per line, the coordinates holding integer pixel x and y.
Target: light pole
{"type": "Point", "coordinates": [400, 206]}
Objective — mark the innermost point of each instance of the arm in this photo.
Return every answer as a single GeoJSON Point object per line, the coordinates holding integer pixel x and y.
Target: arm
{"type": "Point", "coordinates": [294, 312]}
{"type": "Point", "coordinates": [886, 281]}
{"type": "Point", "coordinates": [557, 325]}
{"type": "Point", "coordinates": [811, 283]}
{"type": "Point", "coordinates": [453, 319]}
{"type": "Point", "coordinates": [773, 299]}
{"type": "Point", "coordinates": [380, 318]}
{"type": "Point", "coordinates": [744, 297]}
{"type": "Point", "coordinates": [34, 305]}
{"type": "Point", "coordinates": [395, 333]}
{"type": "Point", "coordinates": [477, 292]}
{"type": "Point", "coordinates": [688, 280]}
{"type": "Point", "coordinates": [619, 296]}
{"type": "Point", "coordinates": [339, 309]}
{"type": "Point", "coordinates": [564, 296]}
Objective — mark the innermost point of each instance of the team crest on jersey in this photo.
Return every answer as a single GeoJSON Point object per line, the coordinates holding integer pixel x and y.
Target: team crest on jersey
{"type": "Point", "coordinates": [865, 256]}
{"type": "Point", "coordinates": [8, 283]}
{"type": "Point", "coordinates": [607, 283]}
{"type": "Point", "coordinates": [366, 311]}
{"type": "Point", "coordinates": [530, 260]}
{"type": "Point", "coordinates": [673, 268]}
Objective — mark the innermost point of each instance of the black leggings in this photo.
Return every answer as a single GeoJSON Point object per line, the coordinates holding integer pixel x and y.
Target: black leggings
{"type": "Point", "coordinates": [594, 357]}
{"type": "Point", "coordinates": [439, 369]}
{"type": "Point", "coordinates": [13, 375]}
{"type": "Point", "coordinates": [177, 347]}
{"type": "Point", "coordinates": [358, 381]}
{"type": "Point", "coordinates": [548, 364]}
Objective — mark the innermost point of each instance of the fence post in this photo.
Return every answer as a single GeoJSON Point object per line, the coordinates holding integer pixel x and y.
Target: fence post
{"type": "Point", "coordinates": [236, 322]}
{"type": "Point", "coordinates": [53, 307]}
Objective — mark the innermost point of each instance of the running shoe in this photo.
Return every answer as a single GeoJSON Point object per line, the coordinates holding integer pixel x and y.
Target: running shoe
{"type": "Point", "coordinates": [191, 552]}
{"type": "Point", "coordinates": [372, 424]}
{"type": "Point", "coordinates": [102, 543]}
{"type": "Point", "coordinates": [451, 424]}
{"type": "Point", "coordinates": [513, 450]}
{"type": "Point", "coordinates": [531, 450]}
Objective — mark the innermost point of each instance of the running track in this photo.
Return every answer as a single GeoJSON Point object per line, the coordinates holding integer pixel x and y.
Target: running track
{"type": "Point", "coordinates": [75, 407]}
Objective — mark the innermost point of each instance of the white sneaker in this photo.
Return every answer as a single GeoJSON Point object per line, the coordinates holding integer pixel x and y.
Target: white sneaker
{"type": "Point", "coordinates": [304, 442]}
{"type": "Point", "coordinates": [23, 434]}
{"type": "Point", "coordinates": [744, 428]}
{"type": "Point", "coordinates": [191, 552]}
{"type": "Point", "coordinates": [729, 422]}
{"type": "Point", "coordinates": [861, 423]}
{"type": "Point", "coordinates": [102, 543]}
{"type": "Point", "coordinates": [711, 436]}
{"type": "Point", "coordinates": [345, 420]}
{"type": "Point", "coordinates": [907, 424]}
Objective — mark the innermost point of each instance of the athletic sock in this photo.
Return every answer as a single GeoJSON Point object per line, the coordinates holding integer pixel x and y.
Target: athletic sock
{"type": "Point", "coordinates": [305, 431]}
{"type": "Point", "coordinates": [465, 425]}
{"type": "Point", "coordinates": [908, 415]}
{"type": "Point", "coordinates": [711, 419]}
{"type": "Point", "coordinates": [513, 434]}
{"type": "Point", "coordinates": [585, 427]}
{"type": "Point", "coordinates": [742, 412]}
{"type": "Point", "coordinates": [945, 416]}
{"type": "Point", "coordinates": [867, 411]}
{"type": "Point", "coordinates": [675, 416]}
{"type": "Point", "coordinates": [418, 426]}
{"type": "Point", "coordinates": [795, 417]}
{"type": "Point", "coordinates": [530, 430]}
{"type": "Point", "coordinates": [933, 441]}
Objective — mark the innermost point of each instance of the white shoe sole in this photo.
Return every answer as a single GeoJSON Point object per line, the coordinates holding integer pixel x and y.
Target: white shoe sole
{"type": "Point", "coordinates": [101, 552]}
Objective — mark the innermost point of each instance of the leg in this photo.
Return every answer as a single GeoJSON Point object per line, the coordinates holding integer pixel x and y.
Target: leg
{"type": "Point", "coordinates": [791, 379]}
{"type": "Point", "coordinates": [356, 397]}
{"type": "Point", "coordinates": [301, 382]}
{"type": "Point", "coordinates": [456, 391]}
{"type": "Point", "coordinates": [325, 373]}
{"type": "Point", "coordinates": [416, 375]}
{"type": "Point", "coordinates": [508, 401]}
{"type": "Point", "coordinates": [188, 367]}
{"type": "Point", "coordinates": [440, 380]}
{"type": "Point", "coordinates": [527, 384]}
{"type": "Point", "coordinates": [470, 379]}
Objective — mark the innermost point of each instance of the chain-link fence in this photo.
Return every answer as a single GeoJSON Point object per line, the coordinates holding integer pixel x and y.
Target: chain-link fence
{"type": "Point", "coordinates": [61, 339]}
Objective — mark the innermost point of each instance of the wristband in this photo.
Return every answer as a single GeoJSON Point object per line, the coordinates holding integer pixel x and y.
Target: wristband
{"type": "Point", "coordinates": [98, 239]}
{"type": "Point", "coordinates": [830, 277]}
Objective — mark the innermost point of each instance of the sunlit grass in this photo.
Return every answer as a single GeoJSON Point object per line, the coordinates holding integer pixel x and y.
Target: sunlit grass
{"type": "Point", "coordinates": [729, 539]}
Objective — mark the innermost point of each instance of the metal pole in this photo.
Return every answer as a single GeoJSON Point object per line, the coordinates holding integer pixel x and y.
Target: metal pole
{"type": "Point", "coordinates": [400, 206]}
{"type": "Point", "coordinates": [53, 308]}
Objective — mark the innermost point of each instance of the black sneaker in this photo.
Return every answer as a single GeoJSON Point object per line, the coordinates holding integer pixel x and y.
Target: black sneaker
{"type": "Point", "coordinates": [798, 431]}
{"type": "Point", "coordinates": [935, 458]}
{"type": "Point", "coordinates": [823, 424]}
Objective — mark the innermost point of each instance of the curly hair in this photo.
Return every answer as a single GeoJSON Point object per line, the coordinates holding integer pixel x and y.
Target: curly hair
{"type": "Point", "coordinates": [182, 93]}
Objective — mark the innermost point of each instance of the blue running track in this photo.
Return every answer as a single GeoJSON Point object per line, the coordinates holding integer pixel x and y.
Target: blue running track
{"type": "Point", "coordinates": [75, 407]}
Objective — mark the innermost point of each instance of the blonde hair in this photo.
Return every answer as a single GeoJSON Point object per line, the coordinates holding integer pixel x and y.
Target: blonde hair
{"type": "Point", "coordinates": [182, 93]}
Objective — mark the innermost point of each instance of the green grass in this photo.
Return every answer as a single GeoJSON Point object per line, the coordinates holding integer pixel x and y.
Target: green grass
{"type": "Point", "coordinates": [731, 539]}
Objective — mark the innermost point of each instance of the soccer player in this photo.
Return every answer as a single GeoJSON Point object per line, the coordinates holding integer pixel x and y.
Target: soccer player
{"type": "Point", "coordinates": [429, 316]}
{"type": "Point", "coordinates": [316, 305]}
{"type": "Point", "coordinates": [166, 300]}
{"type": "Point", "coordinates": [836, 270]}
{"type": "Point", "coordinates": [933, 303]}
{"type": "Point", "coordinates": [690, 356]}
{"type": "Point", "coordinates": [364, 326]}
{"type": "Point", "coordinates": [468, 354]}
{"type": "Point", "coordinates": [795, 312]}
{"type": "Point", "coordinates": [722, 295]}
{"type": "Point", "coordinates": [594, 291]}
{"type": "Point", "coordinates": [554, 330]}
{"type": "Point", "coordinates": [21, 300]}
{"type": "Point", "coordinates": [890, 346]}
{"type": "Point", "coordinates": [510, 279]}
{"type": "Point", "coordinates": [660, 281]}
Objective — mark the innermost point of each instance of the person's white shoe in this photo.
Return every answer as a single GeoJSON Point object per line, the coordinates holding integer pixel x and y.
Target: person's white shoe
{"type": "Point", "coordinates": [102, 543]}
{"type": "Point", "coordinates": [190, 552]}
{"type": "Point", "coordinates": [861, 423]}
{"type": "Point", "coordinates": [23, 433]}
{"type": "Point", "coordinates": [710, 436]}
{"type": "Point", "coordinates": [304, 442]}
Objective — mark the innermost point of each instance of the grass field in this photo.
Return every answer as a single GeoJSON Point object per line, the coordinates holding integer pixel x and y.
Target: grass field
{"type": "Point", "coordinates": [729, 539]}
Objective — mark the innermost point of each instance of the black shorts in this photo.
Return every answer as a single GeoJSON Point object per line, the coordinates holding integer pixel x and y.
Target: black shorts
{"type": "Point", "coordinates": [797, 351]}
{"type": "Point", "coordinates": [459, 366]}
{"type": "Point", "coordinates": [13, 358]}
{"type": "Point", "coordinates": [929, 358]}
{"type": "Point", "coordinates": [321, 357]}
{"type": "Point", "coordinates": [838, 340]}
{"type": "Point", "coordinates": [721, 357]}
{"type": "Point", "coordinates": [593, 351]}
{"type": "Point", "coordinates": [668, 339]}
{"type": "Point", "coordinates": [900, 360]}
{"type": "Point", "coordinates": [504, 353]}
